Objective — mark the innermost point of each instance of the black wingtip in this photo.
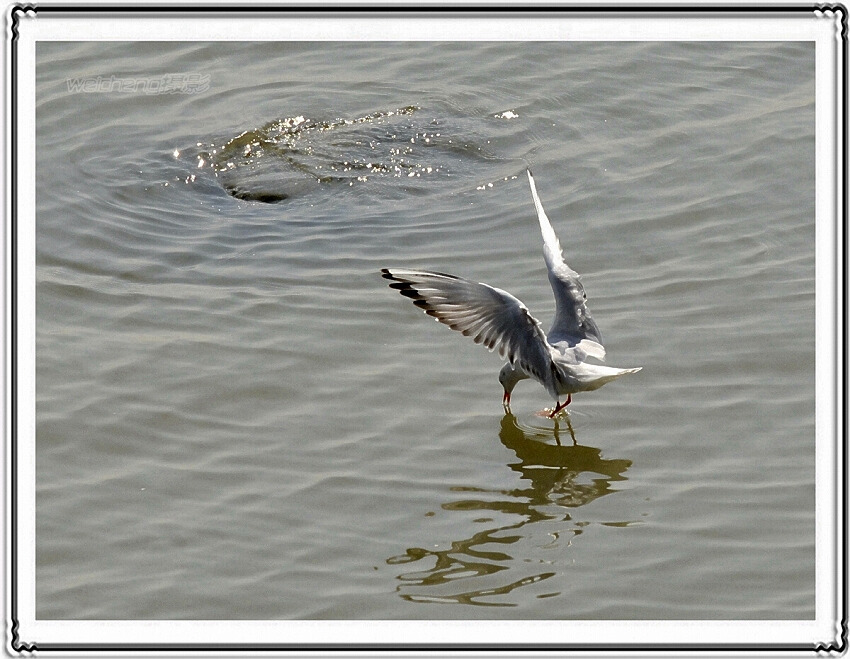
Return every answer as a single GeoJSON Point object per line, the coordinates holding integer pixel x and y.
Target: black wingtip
{"type": "Point", "coordinates": [386, 274]}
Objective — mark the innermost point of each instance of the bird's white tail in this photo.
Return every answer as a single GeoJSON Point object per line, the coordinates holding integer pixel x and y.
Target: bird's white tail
{"type": "Point", "coordinates": [595, 375]}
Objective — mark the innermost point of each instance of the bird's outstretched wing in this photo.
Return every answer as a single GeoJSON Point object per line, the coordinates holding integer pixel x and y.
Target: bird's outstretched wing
{"type": "Point", "coordinates": [573, 322]}
{"type": "Point", "coordinates": [489, 315]}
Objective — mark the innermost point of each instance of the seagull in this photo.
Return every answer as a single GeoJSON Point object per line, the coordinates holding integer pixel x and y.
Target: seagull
{"type": "Point", "coordinates": [495, 318]}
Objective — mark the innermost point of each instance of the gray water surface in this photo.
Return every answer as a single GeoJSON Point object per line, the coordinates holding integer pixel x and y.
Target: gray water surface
{"type": "Point", "coordinates": [237, 419]}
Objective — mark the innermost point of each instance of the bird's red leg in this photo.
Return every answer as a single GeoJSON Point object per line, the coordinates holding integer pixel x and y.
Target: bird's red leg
{"type": "Point", "coordinates": [560, 407]}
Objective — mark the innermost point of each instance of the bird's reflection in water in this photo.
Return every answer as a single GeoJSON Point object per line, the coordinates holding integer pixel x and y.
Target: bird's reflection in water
{"type": "Point", "coordinates": [486, 567]}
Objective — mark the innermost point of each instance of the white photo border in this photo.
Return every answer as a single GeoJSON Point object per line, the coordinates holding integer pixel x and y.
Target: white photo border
{"type": "Point", "coordinates": [826, 25]}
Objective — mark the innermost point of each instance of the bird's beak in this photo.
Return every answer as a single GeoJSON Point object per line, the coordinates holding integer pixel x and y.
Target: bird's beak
{"type": "Point", "coordinates": [506, 399]}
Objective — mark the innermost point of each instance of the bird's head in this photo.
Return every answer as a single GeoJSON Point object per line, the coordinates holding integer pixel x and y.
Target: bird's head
{"type": "Point", "coordinates": [508, 377]}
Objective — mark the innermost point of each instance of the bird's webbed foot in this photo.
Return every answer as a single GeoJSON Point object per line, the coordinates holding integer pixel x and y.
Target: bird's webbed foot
{"type": "Point", "coordinates": [560, 407]}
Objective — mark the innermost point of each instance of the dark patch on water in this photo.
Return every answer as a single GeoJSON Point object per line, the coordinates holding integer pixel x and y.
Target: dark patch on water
{"type": "Point", "coordinates": [294, 156]}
